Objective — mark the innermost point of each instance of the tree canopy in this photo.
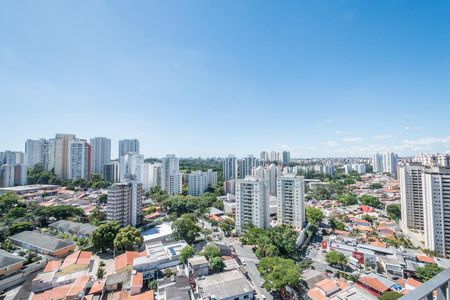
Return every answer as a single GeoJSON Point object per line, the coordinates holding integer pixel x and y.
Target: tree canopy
{"type": "Point", "coordinates": [278, 272]}
{"type": "Point", "coordinates": [216, 264]}
{"type": "Point", "coordinates": [128, 238]}
{"type": "Point", "coordinates": [314, 215]}
{"type": "Point", "coordinates": [186, 253]}
{"type": "Point", "coordinates": [394, 211]}
{"type": "Point", "coordinates": [390, 296]}
{"type": "Point", "coordinates": [103, 237]}
{"type": "Point", "coordinates": [336, 258]}
{"type": "Point", "coordinates": [428, 271]}
{"type": "Point", "coordinates": [371, 201]}
{"type": "Point", "coordinates": [185, 228]}
{"type": "Point", "coordinates": [211, 251]}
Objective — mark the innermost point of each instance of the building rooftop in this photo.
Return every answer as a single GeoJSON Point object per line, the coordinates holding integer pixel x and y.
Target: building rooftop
{"type": "Point", "coordinates": [224, 285]}
{"type": "Point", "coordinates": [8, 259]}
{"type": "Point", "coordinates": [72, 227]}
{"type": "Point", "coordinates": [158, 232]}
{"type": "Point", "coordinates": [41, 241]}
{"type": "Point", "coordinates": [197, 260]}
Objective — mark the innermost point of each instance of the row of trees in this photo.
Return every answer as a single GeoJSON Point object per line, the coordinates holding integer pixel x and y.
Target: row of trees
{"type": "Point", "coordinates": [38, 175]}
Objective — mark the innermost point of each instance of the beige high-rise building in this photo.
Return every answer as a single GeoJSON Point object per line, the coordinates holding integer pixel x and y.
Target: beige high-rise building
{"type": "Point", "coordinates": [291, 200]}
{"type": "Point", "coordinates": [252, 203]}
{"type": "Point", "coordinates": [62, 155]}
{"type": "Point", "coordinates": [436, 207]}
{"type": "Point", "coordinates": [124, 203]}
{"type": "Point", "coordinates": [411, 196]}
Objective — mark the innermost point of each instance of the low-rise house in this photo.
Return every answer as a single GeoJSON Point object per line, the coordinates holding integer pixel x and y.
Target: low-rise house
{"type": "Point", "coordinates": [225, 285]}
{"type": "Point", "coordinates": [159, 233]}
{"type": "Point", "coordinates": [70, 291]}
{"type": "Point", "coordinates": [392, 264]}
{"type": "Point", "coordinates": [175, 288]}
{"type": "Point", "coordinates": [80, 230]}
{"type": "Point", "coordinates": [198, 266]}
{"type": "Point", "coordinates": [124, 262]}
{"type": "Point", "coordinates": [10, 263]}
{"type": "Point", "coordinates": [324, 289]}
{"type": "Point", "coordinates": [57, 273]}
{"type": "Point", "coordinates": [377, 285]}
{"type": "Point", "coordinates": [126, 286]}
{"type": "Point", "coordinates": [44, 244]}
{"type": "Point", "coordinates": [159, 256]}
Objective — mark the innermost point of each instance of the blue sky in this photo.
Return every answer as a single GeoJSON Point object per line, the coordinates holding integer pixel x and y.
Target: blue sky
{"type": "Point", "coordinates": [208, 78]}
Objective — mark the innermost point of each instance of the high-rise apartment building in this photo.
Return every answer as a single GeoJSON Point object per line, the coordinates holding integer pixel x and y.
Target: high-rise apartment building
{"type": "Point", "coordinates": [246, 165]}
{"type": "Point", "coordinates": [436, 159]}
{"type": "Point", "coordinates": [252, 203]}
{"type": "Point", "coordinates": [111, 171]}
{"type": "Point", "coordinates": [390, 161]}
{"type": "Point", "coordinates": [291, 200]}
{"type": "Point", "coordinates": [62, 155]}
{"type": "Point", "coordinates": [100, 154]}
{"type": "Point", "coordinates": [131, 167]}
{"type": "Point", "coordinates": [7, 175]}
{"type": "Point", "coordinates": [11, 157]}
{"type": "Point", "coordinates": [274, 156]}
{"type": "Point", "coordinates": [20, 174]}
{"type": "Point", "coordinates": [411, 196]}
{"type": "Point", "coordinates": [230, 168]}
{"type": "Point", "coordinates": [286, 157]}
{"type": "Point", "coordinates": [377, 163]}
{"type": "Point", "coordinates": [124, 204]}
{"type": "Point", "coordinates": [127, 145]}
{"type": "Point", "coordinates": [264, 155]}
{"type": "Point", "coordinates": [171, 178]}
{"type": "Point", "coordinates": [151, 175]}
{"type": "Point", "coordinates": [79, 164]}
{"type": "Point", "coordinates": [198, 182]}
{"type": "Point", "coordinates": [35, 152]}
{"type": "Point", "coordinates": [436, 206]}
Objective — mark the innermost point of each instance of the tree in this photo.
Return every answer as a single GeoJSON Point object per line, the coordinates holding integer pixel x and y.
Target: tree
{"type": "Point", "coordinates": [16, 213]}
{"type": "Point", "coordinates": [186, 229]}
{"type": "Point", "coordinates": [348, 199]}
{"type": "Point", "coordinates": [7, 202]}
{"type": "Point", "coordinates": [19, 227]}
{"type": "Point", "coordinates": [7, 246]}
{"type": "Point", "coordinates": [314, 215]}
{"type": "Point", "coordinates": [390, 296]}
{"type": "Point", "coordinates": [128, 238]}
{"type": "Point", "coordinates": [103, 237]}
{"type": "Point", "coordinates": [370, 201]}
{"type": "Point", "coordinates": [278, 272]}
{"type": "Point", "coordinates": [100, 272]}
{"type": "Point", "coordinates": [428, 271]}
{"type": "Point", "coordinates": [186, 253]}
{"type": "Point", "coordinates": [216, 264]}
{"type": "Point", "coordinates": [336, 258]}
{"type": "Point", "coordinates": [58, 212]}
{"type": "Point", "coordinates": [376, 186]}
{"type": "Point", "coordinates": [336, 224]}
{"type": "Point", "coordinates": [153, 284]}
{"type": "Point", "coordinates": [227, 226]}
{"type": "Point", "coordinates": [393, 211]}
{"type": "Point", "coordinates": [211, 251]}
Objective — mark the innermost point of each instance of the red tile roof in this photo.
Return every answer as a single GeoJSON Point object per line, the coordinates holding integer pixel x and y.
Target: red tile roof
{"type": "Point", "coordinates": [56, 293]}
{"type": "Point", "coordinates": [78, 286]}
{"type": "Point", "coordinates": [52, 265]}
{"type": "Point", "coordinates": [126, 259]}
{"type": "Point", "coordinates": [97, 287]}
{"type": "Point", "coordinates": [425, 259]}
{"type": "Point", "coordinates": [137, 279]}
{"type": "Point", "coordinates": [412, 282]}
{"type": "Point", "coordinates": [373, 283]}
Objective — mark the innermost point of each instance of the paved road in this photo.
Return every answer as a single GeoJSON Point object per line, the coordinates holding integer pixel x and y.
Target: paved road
{"type": "Point", "coordinates": [245, 254]}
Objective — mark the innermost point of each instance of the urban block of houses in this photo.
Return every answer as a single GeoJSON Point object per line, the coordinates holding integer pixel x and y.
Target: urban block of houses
{"type": "Point", "coordinates": [377, 284]}
{"type": "Point", "coordinates": [43, 244]}
{"type": "Point", "coordinates": [57, 273]}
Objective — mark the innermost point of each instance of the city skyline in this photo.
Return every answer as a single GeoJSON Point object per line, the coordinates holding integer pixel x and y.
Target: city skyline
{"type": "Point", "coordinates": [328, 79]}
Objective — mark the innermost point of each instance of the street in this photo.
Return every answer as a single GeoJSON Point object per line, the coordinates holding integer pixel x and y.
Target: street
{"type": "Point", "coordinates": [249, 260]}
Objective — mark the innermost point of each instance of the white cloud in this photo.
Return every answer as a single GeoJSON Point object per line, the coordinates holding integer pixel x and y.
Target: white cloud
{"type": "Point", "coordinates": [342, 132]}
{"type": "Point", "coordinates": [352, 139]}
{"type": "Point", "coordinates": [412, 128]}
{"type": "Point", "coordinates": [331, 143]}
{"type": "Point", "coordinates": [383, 137]}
